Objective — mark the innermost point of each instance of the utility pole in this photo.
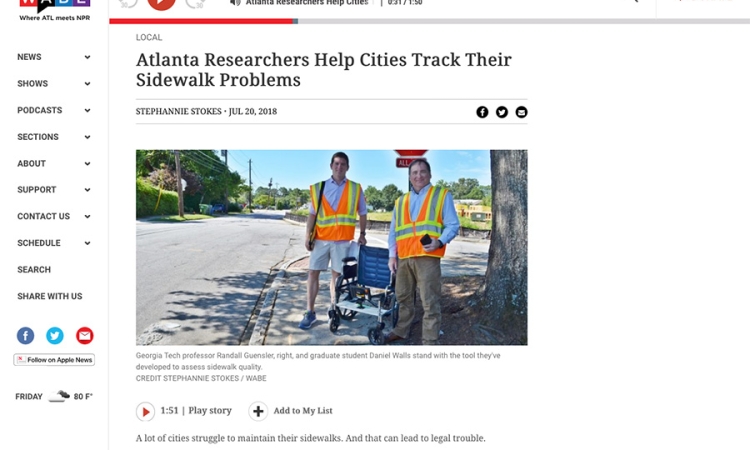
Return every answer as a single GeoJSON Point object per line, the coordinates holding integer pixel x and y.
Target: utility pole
{"type": "Point", "coordinates": [180, 201]}
{"type": "Point", "coordinates": [250, 183]}
{"type": "Point", "coordinates": [225, 154]}
{"type": "Point", "coordinates": [270, 185]}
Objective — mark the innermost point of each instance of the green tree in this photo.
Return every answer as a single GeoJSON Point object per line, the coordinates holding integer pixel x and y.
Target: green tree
{"type": "Point", "coordinates": [264, 200]}
{"type": "Point", "coordinates": [443, 184]}
{"type": "Point", "coordinates": [147, 161]}
{"type": "Point", "coordinates": [297, 197]}
{"type": "Point", "coordinates": [374, 197]}
{"type": "Point", "coordinates": [389, 195]}
{"type": "Point", "coordinates": [241, 194]}
{"type": "Point", "coordinates": [463, 188]}
{"type": "Point", "coordinates": [166, 178]}
{"type": "Point", "coordinates": [216, 180]}
{"type": "Point", "coordinates": [475, 194]}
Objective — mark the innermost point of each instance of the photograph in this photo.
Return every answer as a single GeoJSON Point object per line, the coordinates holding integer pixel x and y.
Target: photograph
{"type": "Point", "coordinates": [331, 247]}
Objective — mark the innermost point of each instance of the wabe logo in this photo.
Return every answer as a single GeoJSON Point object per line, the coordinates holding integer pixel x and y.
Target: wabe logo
{"type": "Point", "coordinates": [41, 5]}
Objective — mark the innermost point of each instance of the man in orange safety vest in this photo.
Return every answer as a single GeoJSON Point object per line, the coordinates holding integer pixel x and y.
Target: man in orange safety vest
{"type": "Point", "coordinates": [424, 222]}
{"type": "Point", "coordinates": [335, 205]}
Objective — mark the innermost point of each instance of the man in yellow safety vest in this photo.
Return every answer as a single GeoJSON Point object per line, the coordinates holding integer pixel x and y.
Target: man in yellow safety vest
{"type": "Point", "coordinates": [424, 222]}
{"type": "Point", "coordinates": [335, 205]}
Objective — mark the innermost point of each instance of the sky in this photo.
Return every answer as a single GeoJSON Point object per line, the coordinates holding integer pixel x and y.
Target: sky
{"type": "Point", "coordinates": [301, 168]}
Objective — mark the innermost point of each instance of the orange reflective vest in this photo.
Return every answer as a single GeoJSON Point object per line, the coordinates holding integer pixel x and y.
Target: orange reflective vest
{"type": "Point", "coordinates": [429, 221]}
{"type": "Point", "coordinates": [336, 225]}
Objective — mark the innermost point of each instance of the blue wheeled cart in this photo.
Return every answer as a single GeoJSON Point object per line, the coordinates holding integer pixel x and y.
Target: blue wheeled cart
{"type": "Point", "coordinates": [366, 286]}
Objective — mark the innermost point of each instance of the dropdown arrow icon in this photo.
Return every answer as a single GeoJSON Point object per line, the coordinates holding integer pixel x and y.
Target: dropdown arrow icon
{"type": "Point", "coordinates": [87, 189]}
{"type": "Point", "coordinates": [87, 242]}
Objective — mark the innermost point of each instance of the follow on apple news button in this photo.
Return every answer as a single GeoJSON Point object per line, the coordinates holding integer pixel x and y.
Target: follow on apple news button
{"type": "Point", "coordinates": [61, 359]}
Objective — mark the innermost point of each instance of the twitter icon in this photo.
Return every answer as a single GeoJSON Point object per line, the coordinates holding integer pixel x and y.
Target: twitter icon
{"type": "Point", "coordinates": [54, 335]}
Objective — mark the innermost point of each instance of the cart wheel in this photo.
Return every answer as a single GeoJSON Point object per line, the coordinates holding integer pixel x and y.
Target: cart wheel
{"type": "Point", "coordinates": [334, 321]}
{"type": "Point", "coordinates": [394, 315]}
{"type": "Point", "coordinates": [346, 314]}
{"type": "Point", "coordinates": [375, 336]}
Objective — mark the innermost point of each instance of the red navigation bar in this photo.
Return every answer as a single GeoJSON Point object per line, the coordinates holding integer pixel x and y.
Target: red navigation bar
{"type": "Point", "coordinates": [203, 21]}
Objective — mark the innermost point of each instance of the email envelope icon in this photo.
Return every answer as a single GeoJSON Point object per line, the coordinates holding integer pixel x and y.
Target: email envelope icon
{"type": "Point", "coordinates": [84, 335]}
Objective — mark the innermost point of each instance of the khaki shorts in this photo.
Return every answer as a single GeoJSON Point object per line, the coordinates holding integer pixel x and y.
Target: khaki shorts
{"type": "Point", "coordinates": [325, 251]}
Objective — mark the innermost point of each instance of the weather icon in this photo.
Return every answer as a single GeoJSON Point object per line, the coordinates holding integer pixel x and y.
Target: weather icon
{"type": "Point", "coordinates": [58, 397]}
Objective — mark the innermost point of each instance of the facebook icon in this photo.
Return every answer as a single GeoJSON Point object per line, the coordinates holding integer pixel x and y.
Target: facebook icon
{"type": "Point", "coordinates": [25, 335]}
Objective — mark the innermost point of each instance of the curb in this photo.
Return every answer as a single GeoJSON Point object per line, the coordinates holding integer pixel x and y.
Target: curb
{"type": "Point", "coordinates": [289, 263]}
{"type": "Point", "coordinates": [264, 316]}
{"type": "Point", "coordinates": [293, 222]}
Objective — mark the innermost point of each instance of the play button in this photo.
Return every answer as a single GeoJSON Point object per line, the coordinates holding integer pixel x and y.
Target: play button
{"type": "Point", "coordinates": [161, 5]}
{"type": "Point", "coordinates": [145, 410]}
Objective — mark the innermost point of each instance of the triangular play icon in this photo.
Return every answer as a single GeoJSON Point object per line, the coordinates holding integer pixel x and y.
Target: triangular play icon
{"type": "Point", "coordinates": [146, 412]}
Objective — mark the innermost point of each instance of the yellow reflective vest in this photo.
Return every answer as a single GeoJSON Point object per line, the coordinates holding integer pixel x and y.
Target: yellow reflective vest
{"type": "Point", "coordinates": [336, 225]}
{"type": "Point", "coordinates": [430, 222]}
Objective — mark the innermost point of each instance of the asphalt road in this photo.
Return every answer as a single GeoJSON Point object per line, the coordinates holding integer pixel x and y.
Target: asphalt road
{"type": "Point", "coordinates": [198, 282]}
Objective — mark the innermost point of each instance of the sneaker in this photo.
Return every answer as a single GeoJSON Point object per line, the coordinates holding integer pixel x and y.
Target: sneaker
{"type": "Point", "coordinates": [308, 320]}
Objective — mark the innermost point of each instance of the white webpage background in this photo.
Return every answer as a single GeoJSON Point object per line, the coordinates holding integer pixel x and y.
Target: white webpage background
{"type": "Point", "coordinates": [638, 150]}
{"type": "Point", "coordinates": [629, 167]}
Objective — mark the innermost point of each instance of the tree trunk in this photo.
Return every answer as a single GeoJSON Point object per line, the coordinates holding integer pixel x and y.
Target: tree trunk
{"type": "Point", "coordinates": [505, 294]}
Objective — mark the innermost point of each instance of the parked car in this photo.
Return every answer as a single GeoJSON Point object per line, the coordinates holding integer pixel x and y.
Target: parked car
{"type": "Point", "coordinates": [218, 208]}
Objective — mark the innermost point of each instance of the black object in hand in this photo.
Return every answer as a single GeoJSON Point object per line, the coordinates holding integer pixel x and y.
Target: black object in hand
{"type": "Point", "coordinates": [426, 240]}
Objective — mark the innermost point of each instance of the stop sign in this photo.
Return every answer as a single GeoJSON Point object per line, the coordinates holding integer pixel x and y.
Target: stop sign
{"type": "Point", "coordinates": [411, 153]}
{"type": "Point", "coordinates": [408, 156]}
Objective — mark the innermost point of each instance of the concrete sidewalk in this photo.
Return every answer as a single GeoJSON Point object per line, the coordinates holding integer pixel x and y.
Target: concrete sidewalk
{"type": "Point", "coordinates": [285, 304]}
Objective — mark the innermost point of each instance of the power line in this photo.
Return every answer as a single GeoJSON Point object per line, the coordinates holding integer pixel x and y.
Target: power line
{"type": "Point", "coordinates": [208, 160]}
{"type": "Point", "coordinates": [199, 162]}
{"type": "Point", "coordinates": [212, 162]}
{"type": "Point", "coordinates": [240, 164]}
{"type": "Point", "coordinates": [203, 165]}
{"type": "Point", "coordinates": [254, 172]}
{"type": "Point", "coordinates": [198, 155]}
